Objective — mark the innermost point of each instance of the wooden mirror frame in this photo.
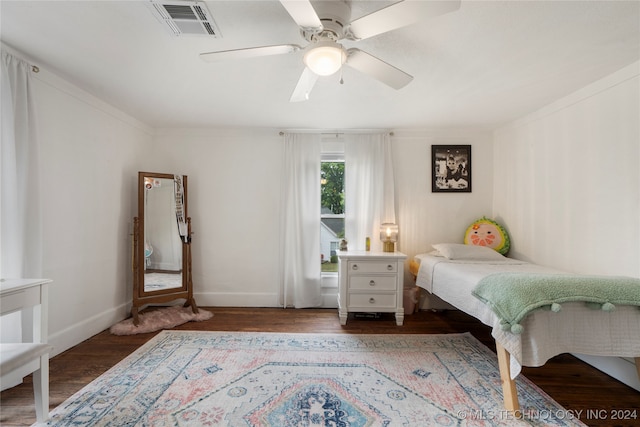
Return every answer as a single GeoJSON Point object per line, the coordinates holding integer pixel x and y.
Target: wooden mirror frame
{"type": "Point", "coordinates": [141, 296]}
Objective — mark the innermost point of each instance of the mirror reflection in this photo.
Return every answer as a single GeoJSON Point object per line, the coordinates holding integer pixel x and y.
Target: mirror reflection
{"type": "Point", "coordinates": [162, 242]}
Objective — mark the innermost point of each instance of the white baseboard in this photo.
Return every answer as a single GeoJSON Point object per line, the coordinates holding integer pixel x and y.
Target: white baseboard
{"type": "Point", "coordinates": [7, 384]}
{"type": "Point", "coordinates": [236, 299]}
{"type": "Point", "coordinates": [329, 298]}
{"type": "Point", "coordinates": [231, 299]}
{"type": "Point", "coordinates": [75, 334]}
{"type": "Point", "coordinates": [619, 368]}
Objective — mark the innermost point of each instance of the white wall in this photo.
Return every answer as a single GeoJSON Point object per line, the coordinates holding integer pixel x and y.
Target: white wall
{"type": "Point", "coordinates": [90, 154]}
{"type": "Point", "coordinates": [567, 180]}
{"type": "Point", "coordinates": [567, 186]}
{"type": "Point", "coordinates": [426, 218]}
{"type": "Point", "coordinates": [234, 202]}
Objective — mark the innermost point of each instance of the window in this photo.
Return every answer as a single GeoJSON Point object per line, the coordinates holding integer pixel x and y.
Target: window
{"type": "Point", "coordinates": [332, 211]}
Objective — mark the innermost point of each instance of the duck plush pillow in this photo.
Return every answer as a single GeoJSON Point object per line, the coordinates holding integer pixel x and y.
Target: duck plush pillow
{"type": "Point", "coordinates": [486, 232]}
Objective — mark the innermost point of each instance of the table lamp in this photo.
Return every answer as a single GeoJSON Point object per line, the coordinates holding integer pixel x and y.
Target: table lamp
{"type": "Point", "coordinates": [388, 236]}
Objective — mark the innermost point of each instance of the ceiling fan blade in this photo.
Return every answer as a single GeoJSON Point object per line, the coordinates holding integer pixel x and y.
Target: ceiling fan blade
{"type": "Point", "coordinates": [399, 15]}
{"type": "Point", "coordinates": [303, 13]}
{"type": "Point", "coordinates": [305, 85]}
{"type": "Point", "coordinates": [250, 52]}
{"type": "Point", "coordinates": [377, 68]}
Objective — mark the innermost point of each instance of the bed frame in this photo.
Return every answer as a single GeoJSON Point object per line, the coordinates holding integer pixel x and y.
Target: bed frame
{"type": "Point", "coordinates": [509, 391]}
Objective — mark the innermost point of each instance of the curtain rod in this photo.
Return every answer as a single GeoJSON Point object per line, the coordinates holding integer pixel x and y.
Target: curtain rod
{"type": "Point", "coordinates": [281, 133]}
{"type": "Point", "coordinates": [19, 56]}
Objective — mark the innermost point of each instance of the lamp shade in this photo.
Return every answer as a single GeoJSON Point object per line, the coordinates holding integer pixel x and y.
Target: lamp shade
{"type": "Point", "coordinates": [389, 236]}
{"type": "Point", "coordinates": [389, 232]}
{"type": "Point", "coordinates": [325, 58]}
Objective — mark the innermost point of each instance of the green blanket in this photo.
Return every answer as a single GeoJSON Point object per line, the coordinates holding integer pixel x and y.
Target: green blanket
{"type": "Point", "coordinates": [512, 296]}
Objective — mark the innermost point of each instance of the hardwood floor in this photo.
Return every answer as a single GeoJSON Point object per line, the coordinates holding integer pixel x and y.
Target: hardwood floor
{"type": "Point", "coordinates": [572, 383]}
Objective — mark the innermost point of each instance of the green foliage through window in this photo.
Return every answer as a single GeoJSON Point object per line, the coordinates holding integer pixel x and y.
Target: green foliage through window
{"type": "Point", "coordinates": [332, 213]}
{"type": "Point", "coordinates": [332, 188]}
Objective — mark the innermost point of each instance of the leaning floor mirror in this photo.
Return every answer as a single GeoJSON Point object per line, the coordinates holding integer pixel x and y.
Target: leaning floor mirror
{"type": "Point", "coordinates": [161, 243]}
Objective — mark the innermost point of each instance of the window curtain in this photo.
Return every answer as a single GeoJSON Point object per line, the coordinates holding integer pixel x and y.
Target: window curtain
{"type": "Point", "coordinates": [301, 221]}
{"type": "Point", "coordinates": [21, 222]}
{"type": "Point", "coordinates": [369, 188]}
{"type": "Point", "coordinates": [20, 210]}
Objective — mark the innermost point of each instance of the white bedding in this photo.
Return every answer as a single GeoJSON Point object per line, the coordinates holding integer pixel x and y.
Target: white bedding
{"type": "Point", "coordinates": [575, 329]}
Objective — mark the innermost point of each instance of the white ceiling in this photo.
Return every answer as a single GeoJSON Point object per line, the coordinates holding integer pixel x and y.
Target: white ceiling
{"type": "Point", "coordinates": [481, 66]}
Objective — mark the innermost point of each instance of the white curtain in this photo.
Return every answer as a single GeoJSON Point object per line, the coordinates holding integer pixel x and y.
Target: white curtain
{"type": "Point", "coordinates": [20, 210]}
{"type": "Point", "coordinates": [301, 221]}
{"type": "Point", "coordinates": [21, 216]}
{"type": "Point", "coordinates": [369, 188]}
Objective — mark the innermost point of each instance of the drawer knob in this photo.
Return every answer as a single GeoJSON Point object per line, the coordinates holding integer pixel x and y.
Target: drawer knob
{"type": "Point", "coordinates": [372, 283]}
{"type": "Point", "coordinates": [354, 267]}
{"type": "Point", "coordinates": [389, 267]}
{"type": "Point", "coordinates": [372, 300]}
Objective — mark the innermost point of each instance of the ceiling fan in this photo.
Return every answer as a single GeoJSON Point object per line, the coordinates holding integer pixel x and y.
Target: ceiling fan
{"type": "Point", "coordinates": [325, 23]}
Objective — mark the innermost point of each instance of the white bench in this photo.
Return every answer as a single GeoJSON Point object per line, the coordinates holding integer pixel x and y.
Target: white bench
{"type": "Point", "coordinates": [17, 360]}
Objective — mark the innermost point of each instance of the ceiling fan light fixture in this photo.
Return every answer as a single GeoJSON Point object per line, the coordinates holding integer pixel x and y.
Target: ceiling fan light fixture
{"type": "Point", "coordinates": [325, 58]}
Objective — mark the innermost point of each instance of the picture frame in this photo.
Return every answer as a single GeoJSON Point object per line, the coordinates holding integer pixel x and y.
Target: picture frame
{"type": "Point", "coordinates": [451, 168]}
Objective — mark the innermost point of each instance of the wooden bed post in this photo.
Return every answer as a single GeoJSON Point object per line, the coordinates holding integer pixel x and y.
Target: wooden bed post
{"type": "Point", "coordinates": [508, 385]}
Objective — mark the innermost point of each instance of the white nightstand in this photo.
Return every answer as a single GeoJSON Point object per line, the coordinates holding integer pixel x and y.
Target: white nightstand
{"type": "Point", "coordinates": [370, 282]}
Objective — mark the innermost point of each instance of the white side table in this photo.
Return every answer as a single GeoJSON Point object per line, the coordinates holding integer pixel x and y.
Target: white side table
{"type": "Point", "coordinates": [370, 282]}
{"type": "Point", "coordinates": [17, 360]}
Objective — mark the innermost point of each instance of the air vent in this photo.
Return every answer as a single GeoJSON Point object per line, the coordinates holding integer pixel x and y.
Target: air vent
{"type": "Point", "coordinates": [185, 18]}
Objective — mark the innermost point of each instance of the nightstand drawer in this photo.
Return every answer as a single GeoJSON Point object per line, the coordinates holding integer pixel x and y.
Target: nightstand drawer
{"type": "Point", "coordinates": [372, 301]}
{"type": "Point", "coordinates": [356, 267]}
{"type": "Point", "coordinates": [373, 283]}
{"type": "Point", "coordinates": [370, 282]}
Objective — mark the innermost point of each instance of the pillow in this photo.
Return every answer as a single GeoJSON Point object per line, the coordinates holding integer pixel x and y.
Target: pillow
{"type": "Point", "coordinates": [486, 232]}
{"type": "Point", "coordinates": [466, 252]}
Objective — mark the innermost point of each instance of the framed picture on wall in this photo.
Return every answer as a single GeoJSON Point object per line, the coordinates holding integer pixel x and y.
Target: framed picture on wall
{"type": "Point", "coordinates": [451, 169]}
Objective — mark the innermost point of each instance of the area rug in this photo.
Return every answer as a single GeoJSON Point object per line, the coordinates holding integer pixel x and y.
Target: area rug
{"type": "Point", "coordinates": [161, 318]}
{"type": "Point", "coordinates": [196, 378]}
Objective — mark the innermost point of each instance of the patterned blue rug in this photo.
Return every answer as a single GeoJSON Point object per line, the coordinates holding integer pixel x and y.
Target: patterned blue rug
{"type": "Point", "coordinates": [187, 378]}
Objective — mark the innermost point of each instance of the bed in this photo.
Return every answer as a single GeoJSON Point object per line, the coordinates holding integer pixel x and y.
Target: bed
{"type": "Point", "coordinates": [575, 328]}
